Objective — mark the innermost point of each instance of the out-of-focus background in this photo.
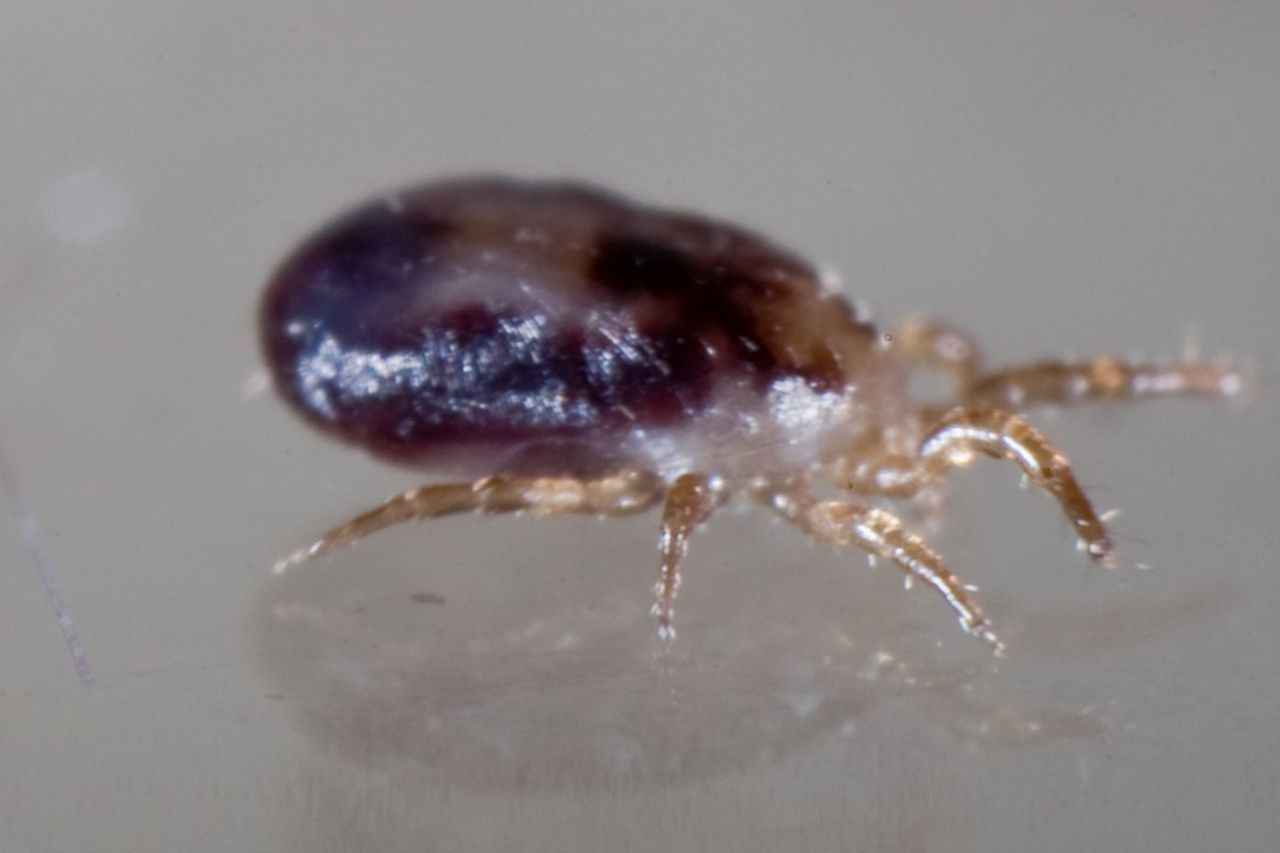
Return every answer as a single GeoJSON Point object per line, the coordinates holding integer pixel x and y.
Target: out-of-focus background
{"type": "Point", "coordinates": [1055, 177]}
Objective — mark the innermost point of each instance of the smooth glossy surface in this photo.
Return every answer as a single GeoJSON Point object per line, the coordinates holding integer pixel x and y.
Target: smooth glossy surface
{"type": "Point", "coordinates": [550, 323]}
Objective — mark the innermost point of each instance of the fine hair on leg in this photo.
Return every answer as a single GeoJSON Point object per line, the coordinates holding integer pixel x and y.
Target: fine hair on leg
{"type": "Point", "coordinates": [880, 533]}
{"type": "Point", "coordinates": [952, 442]}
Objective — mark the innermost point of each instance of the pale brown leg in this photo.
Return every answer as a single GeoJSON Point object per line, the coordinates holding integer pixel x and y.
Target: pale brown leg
{"type": "Point", "coordinates": [880, 533]}
{"type": "Point", "coordinates": [690, 500]}
{"type": "Point", "coordinates": [940, 347]}
{"type": "Point", "coordinates": [1103, 378]}
{"type": "Point", "coordinates": [953, 441]}
{"type": "Point", "coordinates": [618, 494]}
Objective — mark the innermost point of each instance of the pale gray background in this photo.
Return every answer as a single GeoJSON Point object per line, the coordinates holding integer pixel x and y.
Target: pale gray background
{"type": "Point", "coordinates": [1055, 176]}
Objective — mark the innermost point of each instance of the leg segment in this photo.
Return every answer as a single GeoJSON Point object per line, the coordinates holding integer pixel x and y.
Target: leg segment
{"type": "Point", "coordinates": [934, 345]}
{"type": "Point", "coordinates": [618, 494]}
{"type": "Point", "coordinates": [690, 501]}
{"type": "Point", "coordinates": [952, 443]}
{"type": "Point", "coordinates": [880, 533]}
{"type": "Point", "coordinates": [1103, 378]}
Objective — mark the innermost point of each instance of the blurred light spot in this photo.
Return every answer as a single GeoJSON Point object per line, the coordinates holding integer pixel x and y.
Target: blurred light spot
{"type": "Point", "coordinates": [84, 208]}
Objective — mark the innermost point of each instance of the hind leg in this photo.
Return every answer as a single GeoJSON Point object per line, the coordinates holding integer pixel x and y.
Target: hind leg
{"type": "Point", "coordinates": [619, 494]}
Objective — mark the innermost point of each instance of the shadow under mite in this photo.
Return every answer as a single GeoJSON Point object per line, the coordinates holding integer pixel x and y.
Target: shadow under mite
{"type": "Point", "coordinates": [549, 675]}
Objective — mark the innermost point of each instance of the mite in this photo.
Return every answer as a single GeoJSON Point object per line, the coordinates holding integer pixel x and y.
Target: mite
{"type": "Point", "coordinates": [554, 348]}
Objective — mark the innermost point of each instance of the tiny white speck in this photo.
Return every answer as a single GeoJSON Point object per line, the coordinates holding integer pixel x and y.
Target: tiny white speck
{"type": "Point", "coordinates": [532, 235]}
{"type": "Point", "coordinates": [829, 278]}
{"type": "Point", "coordinates": [804, 704]}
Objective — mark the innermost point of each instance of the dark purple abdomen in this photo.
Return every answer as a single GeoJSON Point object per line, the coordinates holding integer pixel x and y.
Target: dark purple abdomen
{"type": "Point", "coordinates": [488, 311]}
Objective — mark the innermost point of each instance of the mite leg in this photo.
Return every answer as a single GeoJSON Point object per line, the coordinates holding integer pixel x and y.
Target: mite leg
{"type": "Point", "coordinates": [883, 462]}
{"type": "Point", "coordinates": [952, 442]}
{"type": "Point", "coordinates": [618, 494]}
{"type": "Point", "coordinates": [690, 501]}
{"type": "Point", "coordinates": [1103, 378]}
{"type": "Point", "coordinates": [939, 347]}
{"type": "Point", "coordinates": [880, 533]}
{"type": "Point", "coordinates": [954, 439]}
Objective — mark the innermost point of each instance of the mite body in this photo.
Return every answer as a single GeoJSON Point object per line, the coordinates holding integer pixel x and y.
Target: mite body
{"type": "Point", "coordinates": [561, 349]}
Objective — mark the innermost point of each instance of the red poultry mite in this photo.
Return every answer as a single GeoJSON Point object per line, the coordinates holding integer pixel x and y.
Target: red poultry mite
{"type": "Point", "coordinates": [560, 349]}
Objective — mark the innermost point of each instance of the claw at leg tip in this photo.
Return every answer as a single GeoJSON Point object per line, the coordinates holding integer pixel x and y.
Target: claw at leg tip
{"type": "Point", "coordinates": [981, 628]}
{"type": "Point", "coordinates": [665, 614]}
{"type": "Point", "coordinates": [1101, 552]}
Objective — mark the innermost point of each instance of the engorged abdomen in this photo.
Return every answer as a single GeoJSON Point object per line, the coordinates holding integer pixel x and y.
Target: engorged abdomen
{"type": "Point", "coordinates": [547, 322]}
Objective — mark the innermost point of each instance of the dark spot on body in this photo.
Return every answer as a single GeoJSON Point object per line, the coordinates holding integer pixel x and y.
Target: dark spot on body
{"type": "Point", "coordinates": [704, 298]}
{"type": "Point", "coordinates": [628, 266]}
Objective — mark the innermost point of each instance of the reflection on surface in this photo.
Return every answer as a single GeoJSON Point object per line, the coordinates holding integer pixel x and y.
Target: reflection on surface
{"type": "Point", "coordinates": [510, 686]}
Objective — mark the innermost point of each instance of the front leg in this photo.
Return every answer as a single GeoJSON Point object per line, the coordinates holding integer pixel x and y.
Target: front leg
{"type": "Point", "coordinates": [952, 443]}
{"type": "Point", "coordinates": [618, 494]}
{"type": "Point", "coordinates": [881, 534]}
{"type": "Point", "coordinates": [1102, 378]}
{"type": "Point", "coordinates": [937, 346]}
